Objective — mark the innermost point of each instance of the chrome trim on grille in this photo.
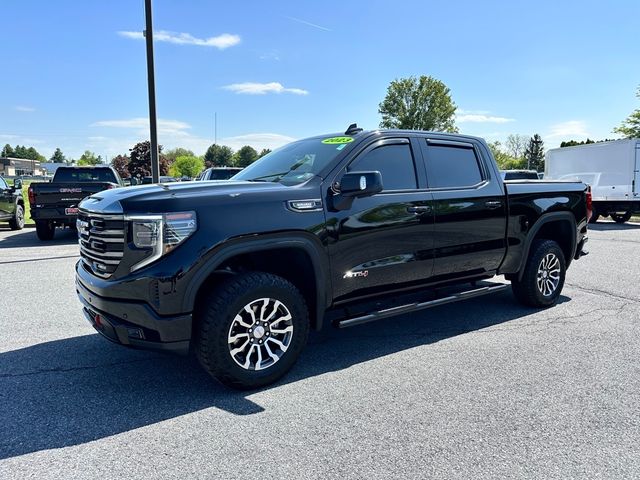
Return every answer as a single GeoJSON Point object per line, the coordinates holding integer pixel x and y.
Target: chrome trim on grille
{"type": "Point", "coordinates": [101, 241]}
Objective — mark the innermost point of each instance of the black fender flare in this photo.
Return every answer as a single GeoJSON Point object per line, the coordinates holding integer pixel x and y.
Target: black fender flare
{"type": "Point", "coordinates": [309, 243]}
{"type": "Point", "coordinates": [543, 220]}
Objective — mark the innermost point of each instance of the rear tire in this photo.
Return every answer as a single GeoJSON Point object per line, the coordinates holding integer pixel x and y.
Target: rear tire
{"type": "Point", "coordinates": [620, 217]}
{"type": "Point", "coordinates": [45, 230]}
{"type": "Point", "coordinates": [17, 222]}
{"type": "Point", "coordinates": [252, 328]}
{"type": "Point", "coordinates": [543, 277]}
{"type": "Point", "coordinates": [594, 217]}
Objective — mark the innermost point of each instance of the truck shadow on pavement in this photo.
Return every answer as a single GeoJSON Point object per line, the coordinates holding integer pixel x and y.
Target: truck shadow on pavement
{"type": "Point", "coordinates": [606, 226]}
{"type": "Point", "coordinates": [76, 390]}
{"type": "Point", "coordinates": [28, 238]}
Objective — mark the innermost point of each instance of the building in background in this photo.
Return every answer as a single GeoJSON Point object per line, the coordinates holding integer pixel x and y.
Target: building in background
{"type": "Point", "coordinates": [17, 167]}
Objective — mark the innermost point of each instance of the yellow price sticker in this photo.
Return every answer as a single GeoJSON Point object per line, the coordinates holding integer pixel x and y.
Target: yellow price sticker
{"type": "Point", "coordinates": [337, 140]}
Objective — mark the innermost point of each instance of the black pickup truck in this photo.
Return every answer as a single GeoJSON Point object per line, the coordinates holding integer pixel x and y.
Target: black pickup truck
{"type": "Point", "coordinates": [12, 204]}
{"type": "Point", "coordinates": [56, 203]}
{"type": "Point", "coordinates": [343, 229]}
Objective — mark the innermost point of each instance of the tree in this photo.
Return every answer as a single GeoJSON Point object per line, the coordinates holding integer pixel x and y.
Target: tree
{"type": "Point", "coordinates": [187, 166]}
{"type": "Point", "coordinates": [630, 127]}
{"type": "Point", "coordinates": [534, 153]}
{"type": "Point", "coordinates": [245, 156]}
{"type": "Point", "coordinates": [140, 160]}
{"type": "Point", "coordinates": [121, 165]}
{"type": "Point", "coordinates": [218, 156]}
{"type": "Point", "coordinates": [422, 103]}
{"type": "Point", "coordinates": [89, 158]}
{"type": "Point", "coordinates": [58, 157]}
{"type": "Point", "coordinates": [503, 159]}
{"type": "Point", "coordinates": [173, 154]}
{"type": "Point", "coordinates": [263, 152]}
{"type": "Point", "coordinates": [516, 144]}
{"type": "Point", "coordinates": [7, 151]}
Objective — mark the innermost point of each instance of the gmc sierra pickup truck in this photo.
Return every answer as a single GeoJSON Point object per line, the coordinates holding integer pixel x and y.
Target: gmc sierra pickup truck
{"type": "Point", "coordinates": [343, 229]}
{"type": "Point", "coordinates": [56, 203]}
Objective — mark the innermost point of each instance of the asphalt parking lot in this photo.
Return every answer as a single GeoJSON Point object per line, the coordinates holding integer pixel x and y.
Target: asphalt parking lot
{"type": "Point", "coordinates": [482, 389]}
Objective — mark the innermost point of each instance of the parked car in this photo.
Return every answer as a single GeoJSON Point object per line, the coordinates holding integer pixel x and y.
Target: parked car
{"type": "Point", "coordinates": [611, 168]}
{"type": "Point", "coordinates": [346, 228]}
{"type": "Point", "coordinates": [162, 179]}
{"type": "Point", "coordinates": [218, 173]}
{"type": "Point", "coordinates": [56, 203]}
{"type": "Point", "coordinates": [519, 175]}
{"type": "Point", "coordinates": [12, 204]}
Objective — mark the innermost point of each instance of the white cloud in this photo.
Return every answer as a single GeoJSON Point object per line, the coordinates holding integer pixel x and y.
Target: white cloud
{"type": "Point", "coordinates": [252, 88]}
{"type": "Point", "coordinates": [141, 125]}
{"type": "Point", "coordinates": [220, 42]}
{"type": "Point", "coordinates": [304, 22]}
{"type": "Point", "coordinates": [23, 108]}
{"type": "Point", "coordinates": [479, 116]}
{"type": "Point", "coordinates": [571, 128]}
{"type": "Point", "coordinates": [174, 133]}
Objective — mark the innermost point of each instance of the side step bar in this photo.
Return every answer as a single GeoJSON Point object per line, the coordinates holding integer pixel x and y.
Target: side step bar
{"type": "Point", "coordinates": [414, 307]}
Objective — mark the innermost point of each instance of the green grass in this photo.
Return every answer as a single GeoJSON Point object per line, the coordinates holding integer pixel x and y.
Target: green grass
{"type": "Point", "coordinates": [27, 209]}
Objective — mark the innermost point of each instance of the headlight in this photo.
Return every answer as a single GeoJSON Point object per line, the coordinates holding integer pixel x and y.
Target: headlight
{"type": "Point", "coordinates": [161, 233]}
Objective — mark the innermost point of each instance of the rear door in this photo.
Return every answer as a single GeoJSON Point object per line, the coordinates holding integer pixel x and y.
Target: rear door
{"type": "Point", "coordinates": [384, 240]}
{"type": "Point", "coordinates": [469, 206]}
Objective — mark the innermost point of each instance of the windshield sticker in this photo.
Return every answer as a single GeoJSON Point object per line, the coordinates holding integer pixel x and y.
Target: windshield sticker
{"type": "Point", "coordinates": [337, 140]}
{"type": "Point", "coordinates": [340, 147]}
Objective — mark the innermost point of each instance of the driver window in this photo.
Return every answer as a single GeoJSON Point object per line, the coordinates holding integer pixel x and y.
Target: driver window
{"type": "Point", "coordinates": [395, 164]}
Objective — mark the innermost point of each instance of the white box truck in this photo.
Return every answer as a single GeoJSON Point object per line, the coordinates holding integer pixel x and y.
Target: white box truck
{"type": "Point", "coordinates": [611, 168]}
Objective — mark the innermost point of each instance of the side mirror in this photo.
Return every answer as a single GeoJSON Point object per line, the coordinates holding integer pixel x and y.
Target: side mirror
{"type": "Point", "coordinates": [17, 184]}
{"type": "Point", "coordinates": [354, 185]}
{"type": "Point", "coordinates": [360, 184]}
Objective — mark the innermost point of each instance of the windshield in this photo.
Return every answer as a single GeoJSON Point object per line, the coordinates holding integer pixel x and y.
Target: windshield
{"type": "Point", "coordinates": [294, 163]}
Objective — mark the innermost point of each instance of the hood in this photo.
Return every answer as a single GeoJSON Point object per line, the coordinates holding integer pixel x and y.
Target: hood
{"type": "Point", "coordinates": [174, 196]}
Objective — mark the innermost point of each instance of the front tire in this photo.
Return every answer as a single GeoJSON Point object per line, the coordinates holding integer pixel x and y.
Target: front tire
{"type": "Point", "coordinates": [17, 222]}
{"type": "Point", "coordinates": [543, 276]}
{"type": "Point", "coordinates": [45, 230]}
{"type": "Point", "coordinates": [252, 328]}
{"type": "Point", "coordinates": [620, 217]}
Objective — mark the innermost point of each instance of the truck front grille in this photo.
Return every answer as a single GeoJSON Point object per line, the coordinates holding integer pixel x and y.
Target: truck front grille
{"type": "Point", "coordinates": [101, 239]}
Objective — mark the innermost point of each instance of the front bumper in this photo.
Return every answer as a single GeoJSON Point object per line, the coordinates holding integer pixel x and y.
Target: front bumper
{"type": "Point", "coordinates": [134, 324]}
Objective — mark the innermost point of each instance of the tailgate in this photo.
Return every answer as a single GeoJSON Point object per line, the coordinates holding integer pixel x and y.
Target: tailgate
{"type": "Point", "coordinates": [66, 194]}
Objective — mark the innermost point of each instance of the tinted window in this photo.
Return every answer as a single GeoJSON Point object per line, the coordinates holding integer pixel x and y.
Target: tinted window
{"type": "Point", "coordinates": [452, 167]}
{"type": "Point", "coordinates": [223, 174]}
{"type": "Point", "coordinates": [3, 185]}
{"type": "Point", "coordinates": [394, 162]}
{"type": "Point", "coordinates": [84, 175]}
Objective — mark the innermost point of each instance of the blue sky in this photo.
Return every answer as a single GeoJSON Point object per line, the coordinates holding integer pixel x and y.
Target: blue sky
{"type": "Point", "coordinates": [74, 73]}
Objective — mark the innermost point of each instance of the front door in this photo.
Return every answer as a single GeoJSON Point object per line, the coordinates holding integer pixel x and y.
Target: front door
{"type": "Point", "coordinates": [385, 239]}
{"type": "Point", "coordinates": [6, 199]}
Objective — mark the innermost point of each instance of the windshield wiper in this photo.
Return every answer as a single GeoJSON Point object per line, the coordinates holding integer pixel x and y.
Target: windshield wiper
{"type": "Point", "coordinates": [263, 177]}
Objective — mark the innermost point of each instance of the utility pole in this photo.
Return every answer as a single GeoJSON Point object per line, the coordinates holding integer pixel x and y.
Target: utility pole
{"type": "Point", "coordinates": [148, 33]}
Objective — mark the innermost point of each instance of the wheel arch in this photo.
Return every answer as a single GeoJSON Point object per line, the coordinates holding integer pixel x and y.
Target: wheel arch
{"type": "Point", "coordinates": [557, 226]}
{"type": "Point", "coordinates": [314, 285]}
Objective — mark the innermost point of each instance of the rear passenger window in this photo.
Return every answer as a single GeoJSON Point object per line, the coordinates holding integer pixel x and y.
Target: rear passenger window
{"type": "Point", "coordinates": [394, 162]}
{"type": "Point", "coordinates": [452, 167]}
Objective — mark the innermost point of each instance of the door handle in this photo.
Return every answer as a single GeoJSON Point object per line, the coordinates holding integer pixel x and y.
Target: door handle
{"type": "Point", "coordinates": [493, 204]}
{"type": "Point", "coordinates": [419, 210]}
